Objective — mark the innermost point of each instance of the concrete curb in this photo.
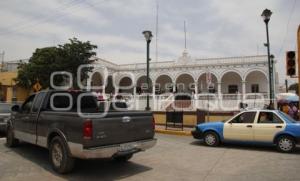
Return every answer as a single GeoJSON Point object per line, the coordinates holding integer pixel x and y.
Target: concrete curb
{"type": "Point", "coordinates": [174, 132]}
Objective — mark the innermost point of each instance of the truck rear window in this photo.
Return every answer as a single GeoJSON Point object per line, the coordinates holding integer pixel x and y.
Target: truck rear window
{"type": "Point", "coordinates": [68, 101]}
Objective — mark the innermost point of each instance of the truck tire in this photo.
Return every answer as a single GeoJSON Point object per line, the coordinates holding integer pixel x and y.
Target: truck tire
{"type": "Point", "coordinates": [11, 141]}
{"type": "Point", "coordinates": [59, 156]}
{"type": "Point", "coordinates": [285, 144]}
{"type": "Point", "coordinates": [123, 158]}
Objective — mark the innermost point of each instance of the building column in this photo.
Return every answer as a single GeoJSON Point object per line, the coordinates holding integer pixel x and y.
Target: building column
{"type": "Point", "coordinates": [174, 87]}
{"type": "Point", "coordinates": [195, 98]}
{"type": "Point", "coordinates": [243, 90]}
{"type": "Point", "coordinates": [153, 89]}
{"type": "Point", "coordinates": [134, 91]}
{"type": "Point", "coordinates": [219, 90]}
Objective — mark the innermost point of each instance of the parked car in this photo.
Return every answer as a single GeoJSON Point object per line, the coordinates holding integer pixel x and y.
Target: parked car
{"type": "Point", "coordinates": [5, 109]}
{"type": "Point", "coordinates": [71, 129]}
{"type": "Point", "coordinates": [270, 127]}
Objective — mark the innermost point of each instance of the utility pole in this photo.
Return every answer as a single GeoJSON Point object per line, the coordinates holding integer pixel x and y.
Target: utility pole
{"type": "Point", "coordinates": [266, 16]}
{"type": "Point", "coordinates": [298, 42]}
{"type": "Point", "coordinates": [286, 85]}
{"type": "Point", "coordinates": [148, 37]}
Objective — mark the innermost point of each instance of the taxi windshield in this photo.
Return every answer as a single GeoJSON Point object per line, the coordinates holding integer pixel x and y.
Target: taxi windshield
{"type": "Point", "coordinates": [287, 117]}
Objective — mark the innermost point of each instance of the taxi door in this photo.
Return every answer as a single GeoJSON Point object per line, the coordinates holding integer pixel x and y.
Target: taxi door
{"type": "Point", "coordinates": [240, 128]}
{"type": "Point", "coordinates": [267, 126]}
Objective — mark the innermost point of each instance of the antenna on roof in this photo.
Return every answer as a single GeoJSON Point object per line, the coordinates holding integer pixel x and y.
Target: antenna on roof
{"type": "Point", "coordinates": [184, 34]}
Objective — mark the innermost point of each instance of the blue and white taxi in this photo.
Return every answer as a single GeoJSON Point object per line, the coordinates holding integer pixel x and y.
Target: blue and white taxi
{"type": "Point", "coordinates": [270, 127]}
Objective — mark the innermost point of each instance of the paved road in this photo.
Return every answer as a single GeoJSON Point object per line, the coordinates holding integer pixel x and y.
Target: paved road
{"type": "Point", "coordinates": [174, 158]}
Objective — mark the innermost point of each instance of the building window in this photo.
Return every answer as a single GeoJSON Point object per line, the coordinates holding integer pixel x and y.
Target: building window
{"type": "Point", "coordinates": [254, 88]}
{"type": "Point", "coordinates": [232, 89]}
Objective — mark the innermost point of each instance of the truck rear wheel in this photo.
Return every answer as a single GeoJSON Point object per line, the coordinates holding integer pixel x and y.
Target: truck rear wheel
{"type": "Point", "coordinates": [59, 156]}
{"type": "Point", "coordinates": [11, 141]}
{"type": "Point", "coordinates": [123, 158]}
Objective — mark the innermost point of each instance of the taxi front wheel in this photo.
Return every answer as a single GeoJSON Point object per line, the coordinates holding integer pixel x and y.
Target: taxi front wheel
{"type": "Point", "coordinates": [211, 139]}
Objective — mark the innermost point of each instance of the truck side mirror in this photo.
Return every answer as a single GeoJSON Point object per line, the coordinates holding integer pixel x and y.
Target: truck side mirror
{"type": "Point", "coordinates": [15, 108]}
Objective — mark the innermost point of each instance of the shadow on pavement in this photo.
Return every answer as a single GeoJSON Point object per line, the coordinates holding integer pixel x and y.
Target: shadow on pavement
{"type": "Point", "coordinates": [97, 169]}
{"type": "Point", "coordinates": [244, 146]}
{"type": "Point", "coordinates": [2, 135]}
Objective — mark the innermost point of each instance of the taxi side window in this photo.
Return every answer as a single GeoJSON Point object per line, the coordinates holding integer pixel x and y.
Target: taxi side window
{"type": "Point", "coordinates": [268, 118]}
{"type": "Point", "coordinates": [246, 117]}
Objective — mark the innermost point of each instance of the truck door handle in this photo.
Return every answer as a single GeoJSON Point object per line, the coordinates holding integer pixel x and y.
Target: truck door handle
{"type": "Point", "coordinates": [249, 126]}
{"type": "Point", "coordinates": [278, 126]}
{"type": "Point", "coordinates": [126, 119]}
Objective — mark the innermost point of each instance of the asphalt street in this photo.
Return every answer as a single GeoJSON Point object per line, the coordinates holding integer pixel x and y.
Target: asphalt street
{"type": "Point", "coordinates": [173, 158]}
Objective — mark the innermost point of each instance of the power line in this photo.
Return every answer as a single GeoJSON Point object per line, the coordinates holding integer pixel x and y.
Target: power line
{"type": "Point", "coordinates": [287, 28]}
{"type": "Point", "coordinates": [184, 34]}
{"type": "Point", "coordinates": [23, 20]}
{"type": "Point", "coordinates": [73, 4]}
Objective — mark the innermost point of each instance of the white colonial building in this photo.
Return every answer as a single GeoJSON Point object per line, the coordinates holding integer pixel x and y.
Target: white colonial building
{"type": "Point", "coordinates": [222, 81]}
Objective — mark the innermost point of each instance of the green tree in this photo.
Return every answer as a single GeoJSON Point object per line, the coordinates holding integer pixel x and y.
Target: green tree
{"type": "Point", "coordinates": [67, 57]}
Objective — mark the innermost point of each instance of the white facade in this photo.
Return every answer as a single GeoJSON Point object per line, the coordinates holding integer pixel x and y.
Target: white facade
{"type": "Point", "coordinates": [231, 77]}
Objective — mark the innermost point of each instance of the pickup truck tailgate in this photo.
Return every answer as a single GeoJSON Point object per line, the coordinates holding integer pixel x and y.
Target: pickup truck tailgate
{"type": "Point", "coordinates": [117, 127]}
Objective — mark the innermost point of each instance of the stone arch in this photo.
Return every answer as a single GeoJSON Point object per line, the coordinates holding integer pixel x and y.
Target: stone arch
{"type": "Point", "coordinates": [231, 82]}
{"type": "Point", "coordinates": [181, 73]}
{"type": "Point", "coordinates": [163, 84]}
{"type": "Point", "coordinates": [256, 82]}
{"type": "Point", "coordinates": [141, 85]}
{"type": "Point", "coordinates": [231, 70]}
{"type": "Point", "coordinates": [255, 69]}
{"type": "Point", "coordinates": [96, 80]}
{"type": "Point", "coordinates": [202, 83]}
{"type": "Point", "coordinates": [184, 83]}
{"type": "Point", "coordinates": [125, 85]}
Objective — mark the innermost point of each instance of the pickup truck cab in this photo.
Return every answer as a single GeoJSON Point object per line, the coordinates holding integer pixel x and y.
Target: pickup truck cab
{"type": "Point", "coordinates": [71, 125]}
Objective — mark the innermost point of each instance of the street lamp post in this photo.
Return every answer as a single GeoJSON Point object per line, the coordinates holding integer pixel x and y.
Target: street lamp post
{"type": "Point", "coordinates": [148, 37]}
{"type": "Point", "coordinates": [266, 15]}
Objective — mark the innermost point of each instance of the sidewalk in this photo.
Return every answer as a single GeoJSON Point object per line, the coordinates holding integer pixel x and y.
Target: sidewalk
{"type": "Point", "coordinates": [173, 131]}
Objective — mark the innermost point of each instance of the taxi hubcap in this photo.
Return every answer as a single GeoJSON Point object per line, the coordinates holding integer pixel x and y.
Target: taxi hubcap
{"type": "Point", "coordinates": [285, 144]}
{"type": "Point", "coordinates": [210, 139]}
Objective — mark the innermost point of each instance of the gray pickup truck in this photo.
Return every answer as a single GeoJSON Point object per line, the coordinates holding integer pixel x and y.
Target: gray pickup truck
{"type": "Point", "coordinates": [71, 124]}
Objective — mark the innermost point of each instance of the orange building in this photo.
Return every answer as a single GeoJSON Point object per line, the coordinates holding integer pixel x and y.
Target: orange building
{"type": "Point", "coordinates": [9, 91]}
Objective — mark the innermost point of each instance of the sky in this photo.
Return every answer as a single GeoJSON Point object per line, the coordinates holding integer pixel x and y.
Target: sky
{"type": "Point", "coordinates": [215, 28]}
